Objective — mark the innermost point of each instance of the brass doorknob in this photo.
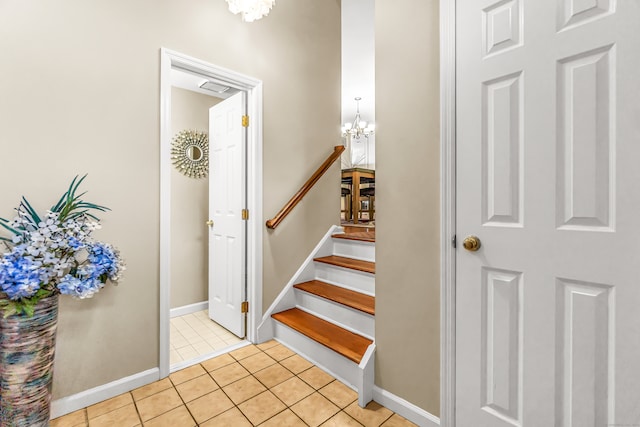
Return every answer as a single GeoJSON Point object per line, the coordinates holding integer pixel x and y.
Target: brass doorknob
{"type": "Point", "coordinates": [471, 243]}
{"type": "Point", "coordinates": [210, 223]}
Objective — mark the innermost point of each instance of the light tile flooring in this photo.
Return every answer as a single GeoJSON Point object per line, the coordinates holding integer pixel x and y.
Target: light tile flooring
{"type": "Point", "coordinates": [265, 385]}
{"type": "Point", "coordinates": [194, 335]}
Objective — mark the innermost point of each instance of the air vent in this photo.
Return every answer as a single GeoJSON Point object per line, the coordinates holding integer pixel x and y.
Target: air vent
{"type": "Point", "coordinates": [214, 87]}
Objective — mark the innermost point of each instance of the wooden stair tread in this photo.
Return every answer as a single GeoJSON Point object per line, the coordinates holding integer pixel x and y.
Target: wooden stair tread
{"type": "Point", "coordinates": [364, 236]}
{"type": "Point", "coordinates": [354, 264]}
{"type": "Point", "coordinates": [347, 297]}
{"type": "Point", "coordinates": [350, 345]}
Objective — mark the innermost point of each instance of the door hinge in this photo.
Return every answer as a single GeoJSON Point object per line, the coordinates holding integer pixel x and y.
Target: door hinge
{"type": "Point", "coordinates": [245, 214]}
{"type": "Point", "coordinates": [244, 308]}
{"type": "Point", "coordinates": [245, 121]}
{"type": "Point", "coordinates": [454, 242]}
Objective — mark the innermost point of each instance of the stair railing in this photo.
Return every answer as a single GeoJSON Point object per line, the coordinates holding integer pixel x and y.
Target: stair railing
{"type": "Point", "coordinates": [288, 207]}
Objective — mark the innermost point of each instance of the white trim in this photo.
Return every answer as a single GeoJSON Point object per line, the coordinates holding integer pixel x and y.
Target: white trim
{"type": "Point", "coordinates": [405, 409]}
{"type": "Point", "coordinates": [447, 210]}
{"type": "Point", "coordinates": [188, 309]}
{"type": "Point", "coordinates": [66, 405]}
{"type": "Point", "coordinates": [255, 225]}
{"type": "Point", "coordinates": [253, 88]}
{"type": "Point", "coordinates": [368, 367]}
{"type": "Point", "coordinates": [165, 211]}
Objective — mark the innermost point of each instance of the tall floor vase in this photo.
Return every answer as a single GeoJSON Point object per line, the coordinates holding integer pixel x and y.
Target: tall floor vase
{"type": "Point", "coordinates": [27, 347]}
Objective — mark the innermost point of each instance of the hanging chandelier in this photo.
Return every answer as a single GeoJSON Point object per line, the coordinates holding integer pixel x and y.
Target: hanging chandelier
{"type": "Point", "coordinates": [359, 127]}
{"type": "Point", "coordinates": [251, 10]}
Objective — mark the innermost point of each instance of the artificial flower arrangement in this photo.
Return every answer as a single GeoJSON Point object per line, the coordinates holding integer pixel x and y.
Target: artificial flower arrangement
{"type": "Point", "coordinates": [54, 254]}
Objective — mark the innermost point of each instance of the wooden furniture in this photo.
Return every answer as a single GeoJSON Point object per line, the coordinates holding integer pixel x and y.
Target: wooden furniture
{"type": "Point", "coordinates": [288, 207]}
{"type": "Point", "coordinates": [368, 194]}
{"type": "Point", "coordinates": [357, 176]}
{"type": "Point", "coordinates": [345, 196]}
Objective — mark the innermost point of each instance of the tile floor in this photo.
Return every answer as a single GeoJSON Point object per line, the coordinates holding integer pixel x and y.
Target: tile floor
{"type": "Point", "coordinates": [265, 385]}
{"type": "Point", "coordinates": [194, 335]}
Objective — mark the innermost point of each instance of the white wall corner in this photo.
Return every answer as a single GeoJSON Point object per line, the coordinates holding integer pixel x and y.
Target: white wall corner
{"type": "Point", "coordinates": [66, 405]}
{"type": "Point", "coordinates": [404, 408]}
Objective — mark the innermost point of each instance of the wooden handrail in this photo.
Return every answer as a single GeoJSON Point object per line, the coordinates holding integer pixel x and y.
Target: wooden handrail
{"type": "Point", "coordinates": [273, 222]}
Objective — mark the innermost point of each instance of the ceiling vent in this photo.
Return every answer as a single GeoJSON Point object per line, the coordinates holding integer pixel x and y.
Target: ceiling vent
{"type": "Point", "coordinates": [214, 87]}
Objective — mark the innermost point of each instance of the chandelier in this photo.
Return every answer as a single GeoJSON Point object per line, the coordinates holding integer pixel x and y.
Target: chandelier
{"type": "Point", "coordinates": [359, 127]}
{"type": "Point", "coordinates": [251, 10]}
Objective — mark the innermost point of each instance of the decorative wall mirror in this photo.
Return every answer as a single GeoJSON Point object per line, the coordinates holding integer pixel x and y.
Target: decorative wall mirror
{"type": "Point", "coordinates": [190, 153]}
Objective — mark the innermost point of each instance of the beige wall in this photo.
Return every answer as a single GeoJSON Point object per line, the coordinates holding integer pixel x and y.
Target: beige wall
{"type": "Point", "coordinates": [189, 206]}
{"type": "Point", "coordinates": [407, 201]}
{"type": "Point", "coordinates": [80, 93]}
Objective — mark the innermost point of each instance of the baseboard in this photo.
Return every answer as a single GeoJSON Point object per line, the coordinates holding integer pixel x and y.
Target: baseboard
{"type": "Point", "coordinates": [66, 405]}
{"type": "Point", "coordinates": [186, 363]}
{"type": "Point", "coordinates": [188, 309]}
{"type": "Point", "coordinates": [406, 409]}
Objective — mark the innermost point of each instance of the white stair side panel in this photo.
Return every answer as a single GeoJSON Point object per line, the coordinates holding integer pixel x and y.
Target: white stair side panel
{"type": "Point", "coordinates": [336, 365]}
{"type": "Point", "coordinates": [351, 319]}
{"type": "Point", "coordinates": [286, 298]}
{"type": "Point", "coordinates": [356, 249]}
{"type": "Point", "coordinates": [352, 279]}
{"type": "Point", "coordinates": [367, 367]}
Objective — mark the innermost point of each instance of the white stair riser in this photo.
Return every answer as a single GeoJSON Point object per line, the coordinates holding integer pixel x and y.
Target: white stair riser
{"type": "Point", "coordinates": [338, 366]}
{"type": "Point", "coordinates": [351, 279]}
{"type": "Point", "coordinates": [345, 317]}
{"type": "Point", "coordinates": [365, 251]}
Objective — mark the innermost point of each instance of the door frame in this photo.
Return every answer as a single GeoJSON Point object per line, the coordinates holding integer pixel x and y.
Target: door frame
{"type": "Point", "coordinates": [447, 212]}
{"type": "Point", "coordinates": [253, 88]}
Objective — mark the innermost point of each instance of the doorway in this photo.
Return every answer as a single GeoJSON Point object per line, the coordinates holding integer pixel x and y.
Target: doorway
{"type": "Point", "coordinates": [173, 63]}
{"type": "Point", "coordinates": [195, 329]}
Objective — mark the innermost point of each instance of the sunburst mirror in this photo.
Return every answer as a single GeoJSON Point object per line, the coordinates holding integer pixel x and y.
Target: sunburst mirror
{"type": "Point", "coordinates": [190, 153]}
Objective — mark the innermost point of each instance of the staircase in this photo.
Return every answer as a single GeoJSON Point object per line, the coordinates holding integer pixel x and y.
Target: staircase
{"type": "Point", "coordinates": [326, 312]}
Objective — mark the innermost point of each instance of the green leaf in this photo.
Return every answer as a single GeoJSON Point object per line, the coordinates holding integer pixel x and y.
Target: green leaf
{"type": "Point", "coordinates": [32, 212]}
{"type": "Point", "coordinates": [9, 310]}
{"type": "Point", "coordinates": [72, 206]}
{"type": "Point", "coordinates": [23, 305]}
{"type": "Point", "coordinates": [58, 206]}
{"type": "Point", "coordinates": [29, 309]}
{"type": "Point", "coordinates": [14, 231]}
{"type": "Point", "coordinates": [92, 206]}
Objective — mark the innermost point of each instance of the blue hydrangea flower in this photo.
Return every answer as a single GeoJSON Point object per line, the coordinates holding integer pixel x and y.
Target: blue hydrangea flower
{"type": "Point", "coordinates": [79, 288]}
{"type": "Point", "coordinates": [19, 277]}
{"type": "Point", "coordinates": [74, 243]}
{"type": "Point", "coordinates": [49, 255]}
{"type": "Point", "coordinates": [105, 260]}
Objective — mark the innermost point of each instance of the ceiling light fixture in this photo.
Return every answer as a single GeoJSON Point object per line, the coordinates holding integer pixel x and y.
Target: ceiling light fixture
{"type": "Point", "coordinates": [251, 10]}
{"type": "Point", "coordinates": [359, 127]}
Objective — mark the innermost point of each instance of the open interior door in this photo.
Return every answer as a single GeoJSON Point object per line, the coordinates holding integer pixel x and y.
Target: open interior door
{"type": "Point", "coordinates": [227, 199]}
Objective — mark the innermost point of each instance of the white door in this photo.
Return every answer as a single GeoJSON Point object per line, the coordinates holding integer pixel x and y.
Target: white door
{"type": "Point", "coordinates": [227, 199]}
{"type": "Point", "coordinates": [548, 148]}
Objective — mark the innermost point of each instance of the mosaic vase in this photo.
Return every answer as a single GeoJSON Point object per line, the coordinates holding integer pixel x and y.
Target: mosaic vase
{"type": "Point", "coordinates": [27, 347]}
